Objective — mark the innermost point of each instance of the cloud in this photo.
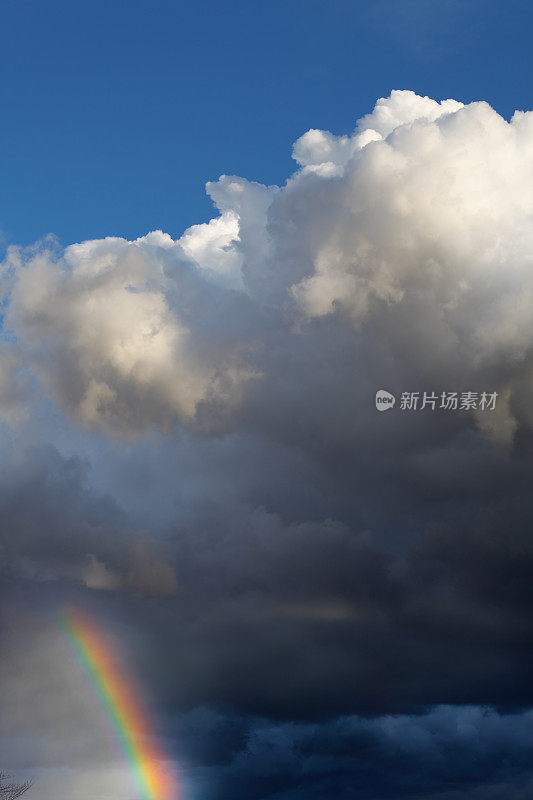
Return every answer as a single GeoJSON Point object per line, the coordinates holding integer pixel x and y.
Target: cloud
{"type": "Point", "coordinates": [55, 529]}
{"type": "Point", "coordinates": [97, 326]}
{"type": "Point", "coordinates": [13, 389]}
{"type": "Point", "coordinates": [445, 753]}
{"type": "Point", "coordinates": [412, 235]}
{"type": "Point", "coordinates": [202, 465]}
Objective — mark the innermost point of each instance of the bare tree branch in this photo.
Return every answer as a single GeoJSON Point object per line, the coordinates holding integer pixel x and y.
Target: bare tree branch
{"type": "Point", "coordinates": [10, 791]}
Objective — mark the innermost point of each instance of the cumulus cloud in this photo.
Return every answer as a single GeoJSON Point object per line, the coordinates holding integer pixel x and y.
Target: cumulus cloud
{"type": "Point", "coordinates": [97, 326]}
{"type": "Point", "coordinates": [203, 466]}
{"type": "Point", "coordinates": [413, 235]}
{"type": "Point", "coordinates": [421, 218]}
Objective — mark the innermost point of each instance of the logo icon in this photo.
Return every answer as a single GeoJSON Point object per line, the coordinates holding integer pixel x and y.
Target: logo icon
{"type": "Point", "coordinates": [384, 400]}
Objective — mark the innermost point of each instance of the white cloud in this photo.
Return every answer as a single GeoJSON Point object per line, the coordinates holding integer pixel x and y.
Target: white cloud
{"type": "Point", "coordinates": [99, 328]}
{"type": "Point", "coordinates": [212, 246]}
{"type": "Point", "coordinates": [413, 234]}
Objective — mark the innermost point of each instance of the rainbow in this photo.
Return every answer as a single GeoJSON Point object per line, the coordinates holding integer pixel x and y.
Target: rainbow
{"type": "Point", "coordinates": [124, 708]}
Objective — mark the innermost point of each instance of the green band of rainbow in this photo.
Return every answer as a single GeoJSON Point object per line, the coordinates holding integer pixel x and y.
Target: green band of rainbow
{"type": "Point", "coordinates": [129, 720]}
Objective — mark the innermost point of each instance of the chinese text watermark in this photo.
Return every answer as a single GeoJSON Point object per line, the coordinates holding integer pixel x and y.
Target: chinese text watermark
{"type": "Point", "coordinates": [445, 401]}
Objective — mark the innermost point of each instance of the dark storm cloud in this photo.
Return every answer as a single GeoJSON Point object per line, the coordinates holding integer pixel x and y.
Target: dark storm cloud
{"type": "Point", "coordinates": [469, 752]}
{"type": "Point", "coordinates": [296, 619]}
{"type": "Point", "coordinates": [54, 528]}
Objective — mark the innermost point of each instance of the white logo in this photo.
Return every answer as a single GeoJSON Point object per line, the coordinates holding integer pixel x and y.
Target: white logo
{"type": "Point", "coordinates": [384, 400]}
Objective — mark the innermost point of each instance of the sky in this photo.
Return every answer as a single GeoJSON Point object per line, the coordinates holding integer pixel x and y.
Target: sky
{"type": "Point", "coordinates": [226, 230]}
{"type": "Point", "coordinates": [116, 114]}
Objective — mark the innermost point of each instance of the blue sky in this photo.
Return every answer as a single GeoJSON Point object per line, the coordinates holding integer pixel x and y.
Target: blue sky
{"type": "Point", "coordinates": [115, 114]}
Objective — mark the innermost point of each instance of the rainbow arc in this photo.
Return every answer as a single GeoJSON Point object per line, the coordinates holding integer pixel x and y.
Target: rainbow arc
{"type": "Point", "coordinates": [122, 703]}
